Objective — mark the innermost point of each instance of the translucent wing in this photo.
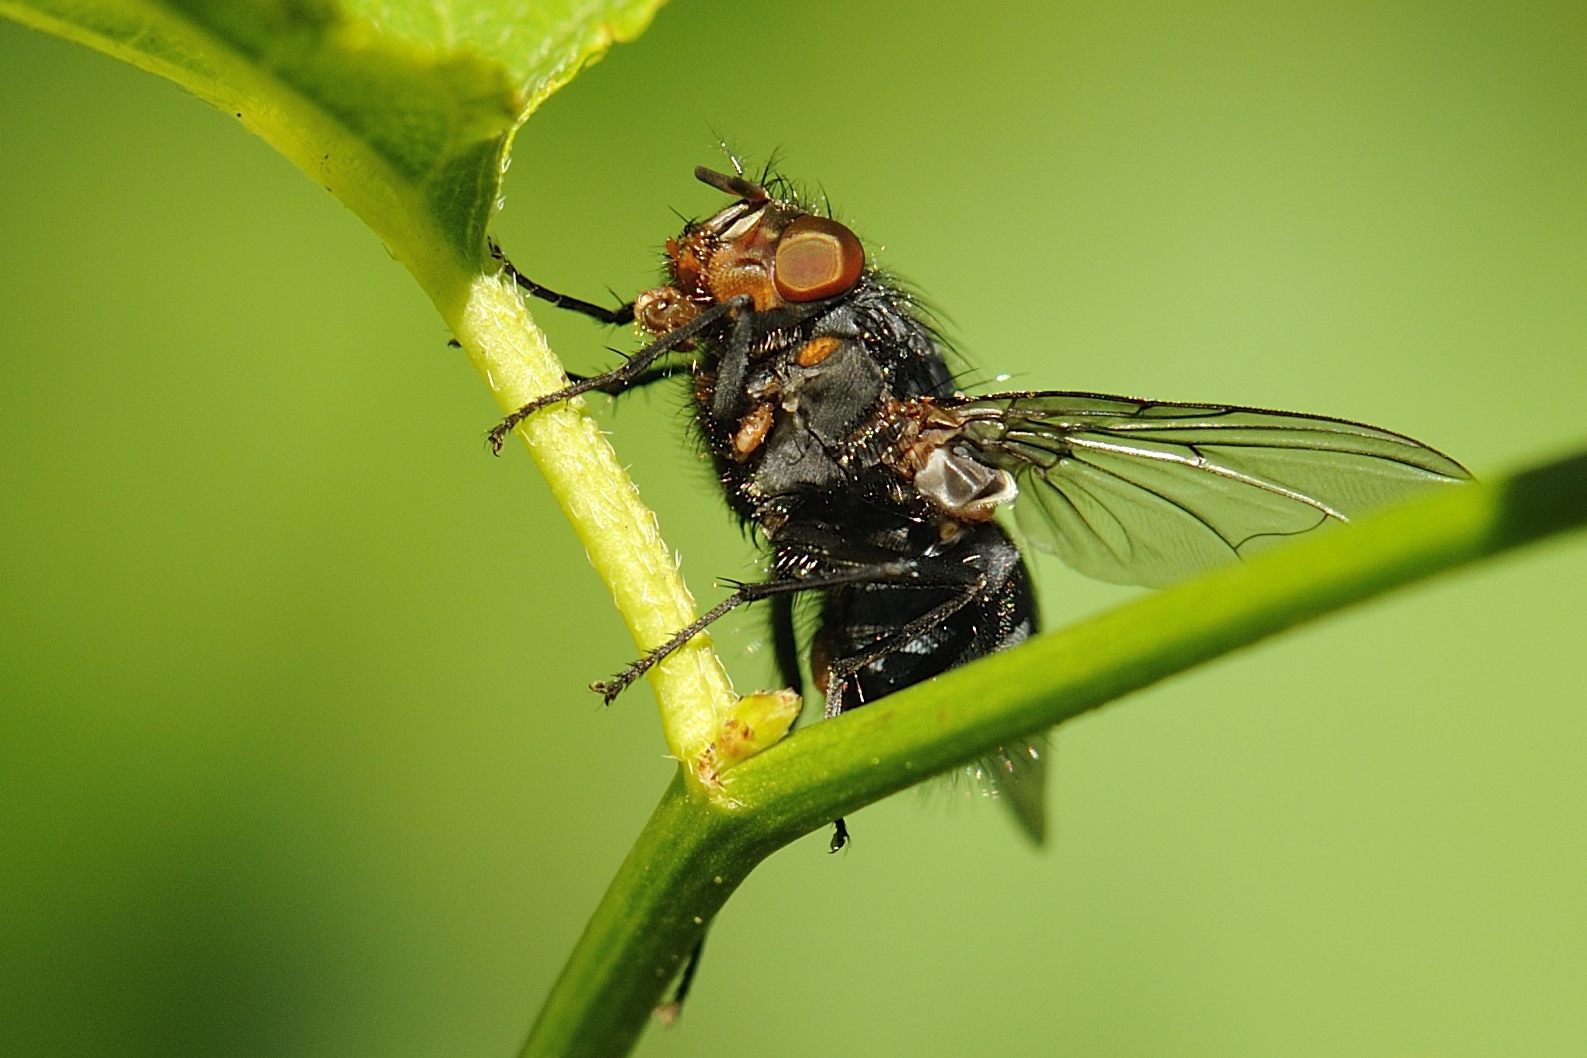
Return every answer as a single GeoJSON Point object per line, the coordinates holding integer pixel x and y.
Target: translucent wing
{"type": "Point", "coordinates": [1017, 774]}
{"type": "Point", "coordinates": [1147, 492]}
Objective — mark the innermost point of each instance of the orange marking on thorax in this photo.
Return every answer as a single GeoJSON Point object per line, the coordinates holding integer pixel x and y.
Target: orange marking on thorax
{"type": "Point", "coordinates": [816, 350]}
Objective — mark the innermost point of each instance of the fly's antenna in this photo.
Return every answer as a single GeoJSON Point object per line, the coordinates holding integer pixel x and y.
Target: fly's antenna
{"type": "Point", "coordinates": [737, 186]}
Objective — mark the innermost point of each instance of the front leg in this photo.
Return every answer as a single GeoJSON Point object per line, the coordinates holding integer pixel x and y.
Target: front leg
{"type": "Point", "coordinates": [629, 373]}
{"type": "Point", "coordinates": [621, 314]}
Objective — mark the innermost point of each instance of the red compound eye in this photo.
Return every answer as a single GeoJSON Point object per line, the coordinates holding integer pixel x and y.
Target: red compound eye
{"type": "Point", "coordinates": [817, 258]}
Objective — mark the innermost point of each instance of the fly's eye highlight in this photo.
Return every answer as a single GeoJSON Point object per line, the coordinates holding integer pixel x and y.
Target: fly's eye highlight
{"type": "Point", "coordinates": [817, 258]}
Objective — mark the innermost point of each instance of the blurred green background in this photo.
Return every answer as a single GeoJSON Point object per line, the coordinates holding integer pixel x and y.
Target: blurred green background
{"type": "Point", "coordinates": [293, 764]}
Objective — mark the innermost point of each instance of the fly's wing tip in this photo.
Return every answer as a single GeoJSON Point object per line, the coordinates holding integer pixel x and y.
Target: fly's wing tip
{"type": "Point", "coordinates": [1031, 818]}
{"type": "Point", "coordinates": [1019, 775]}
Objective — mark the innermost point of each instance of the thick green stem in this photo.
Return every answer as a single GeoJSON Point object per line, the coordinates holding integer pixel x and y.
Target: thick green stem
{"type": "Point", "coordinates": [685, 864]}
{"type": "Point", "coordinates": [618, 531]}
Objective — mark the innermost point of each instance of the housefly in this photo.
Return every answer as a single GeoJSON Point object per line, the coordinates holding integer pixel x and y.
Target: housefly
{"type": "Point", "coordinates": [823, 394]}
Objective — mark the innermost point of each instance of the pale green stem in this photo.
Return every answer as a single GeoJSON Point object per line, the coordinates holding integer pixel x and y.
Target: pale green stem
{"type": "Point", "coordinates": [619, 532]}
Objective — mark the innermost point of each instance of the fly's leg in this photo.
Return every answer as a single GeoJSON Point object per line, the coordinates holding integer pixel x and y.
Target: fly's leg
{"type": "Point", "coordinates": [621, 314]}
{"type": "Point", "coordinates": [785, 644]}
{"type": "Point", "coordinates": [890, 572]}
{"type": "Point", "coordinates": [654, 373]}
{"type": "Point", "coordinates": [624, 375]}
{"type": "Point", "coordinates": [669, 1011]}
{"type": "Point", "coordinates": [844, 669]}
{"type": "Point", "coordinates": [840, 672]}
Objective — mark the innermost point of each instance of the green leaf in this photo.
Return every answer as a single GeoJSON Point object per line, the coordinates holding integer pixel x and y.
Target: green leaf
{"type": "Point", "coordinates": [404, 109]}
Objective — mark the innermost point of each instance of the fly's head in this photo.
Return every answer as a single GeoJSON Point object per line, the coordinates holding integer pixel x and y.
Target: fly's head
{"type": "Point", "coordinates": [775, 252]}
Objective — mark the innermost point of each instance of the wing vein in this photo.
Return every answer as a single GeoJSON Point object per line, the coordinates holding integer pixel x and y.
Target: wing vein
{"type": "Point", "coordinates": [1208, 466]}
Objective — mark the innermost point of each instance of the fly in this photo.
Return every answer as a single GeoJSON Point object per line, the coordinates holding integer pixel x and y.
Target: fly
{"type": "Point", "coordinates": [824, 396]}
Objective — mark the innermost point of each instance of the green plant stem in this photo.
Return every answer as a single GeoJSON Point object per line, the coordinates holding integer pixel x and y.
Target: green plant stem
{"type": "Point", "coordinates": [619, 532]}
{"type": "Point", "coordinates": [688, 860]}
{"type": "Point", "coordinates": [696, 849]}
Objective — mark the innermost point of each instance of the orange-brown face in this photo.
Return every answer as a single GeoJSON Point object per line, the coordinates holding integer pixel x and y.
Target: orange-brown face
{"type": "Point", "coordinates": [773, 251]}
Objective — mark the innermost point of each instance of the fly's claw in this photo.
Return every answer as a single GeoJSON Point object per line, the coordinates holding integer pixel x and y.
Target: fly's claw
{"type": "Point", "coordinates": [497, 438]}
